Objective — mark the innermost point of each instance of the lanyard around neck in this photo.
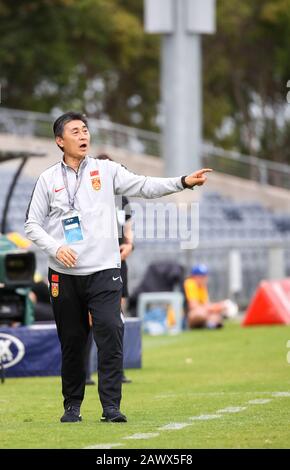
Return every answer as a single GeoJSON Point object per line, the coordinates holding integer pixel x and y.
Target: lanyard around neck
{"type": "Point", "coordinates": [71, 198]}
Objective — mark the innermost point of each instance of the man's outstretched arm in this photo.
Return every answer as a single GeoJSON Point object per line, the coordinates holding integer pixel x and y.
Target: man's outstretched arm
{"type": "Point", "coordinates": [129, 184]}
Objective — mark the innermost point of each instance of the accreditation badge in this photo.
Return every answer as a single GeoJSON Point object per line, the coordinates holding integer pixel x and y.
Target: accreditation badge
{"type": "Point", "coordinates": [72, 228]}
{"type": "Point", "coordinates": [95, 180]}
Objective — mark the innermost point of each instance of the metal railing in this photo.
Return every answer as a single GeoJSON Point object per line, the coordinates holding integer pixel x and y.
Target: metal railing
{"type": "Point", "coordinates": [246, 166]}
{"type": "Point", "coordinates": [149, 143]}
{"type": "Point", "coordinates": [103, 132]}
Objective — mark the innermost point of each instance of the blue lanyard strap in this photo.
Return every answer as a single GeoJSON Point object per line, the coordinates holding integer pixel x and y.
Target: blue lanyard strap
{"type": "Point", "coordinates": [71, 198]}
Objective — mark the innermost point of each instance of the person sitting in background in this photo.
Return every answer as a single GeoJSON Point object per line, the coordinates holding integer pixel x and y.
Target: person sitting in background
{"type": "Point", "coordinates": [201, 313]}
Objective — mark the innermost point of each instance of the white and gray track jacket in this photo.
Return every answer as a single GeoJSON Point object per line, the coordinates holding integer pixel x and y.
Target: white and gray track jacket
{"type": "Point", "coordinates": [101, 180]}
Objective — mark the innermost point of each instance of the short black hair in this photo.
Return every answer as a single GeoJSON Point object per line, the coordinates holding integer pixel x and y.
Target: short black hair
{"type": "Point", "coordinates": [60, 122]}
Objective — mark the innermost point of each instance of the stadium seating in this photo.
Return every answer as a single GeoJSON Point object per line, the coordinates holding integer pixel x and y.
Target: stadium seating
{"type": "Point", "coordinates": [221, 220]}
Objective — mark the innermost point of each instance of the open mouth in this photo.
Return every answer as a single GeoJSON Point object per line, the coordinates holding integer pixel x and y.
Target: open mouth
{"type": "Point", "coordinates": [83, 146]}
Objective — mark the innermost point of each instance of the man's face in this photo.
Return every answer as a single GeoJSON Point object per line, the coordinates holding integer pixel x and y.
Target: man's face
{"type": "Point", "coordinates": [75, 139]}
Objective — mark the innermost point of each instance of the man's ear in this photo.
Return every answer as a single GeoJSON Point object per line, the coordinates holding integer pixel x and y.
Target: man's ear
{"type": "Point", "coordinates": [59, 141]}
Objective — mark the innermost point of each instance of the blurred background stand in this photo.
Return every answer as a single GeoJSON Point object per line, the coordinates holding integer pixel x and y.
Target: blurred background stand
{"type": "Point", "coordinates": [12, 155]}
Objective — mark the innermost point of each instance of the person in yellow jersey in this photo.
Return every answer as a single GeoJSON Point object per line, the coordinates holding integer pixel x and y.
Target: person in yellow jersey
{"type": "Point", "coordinates": [201, 313]}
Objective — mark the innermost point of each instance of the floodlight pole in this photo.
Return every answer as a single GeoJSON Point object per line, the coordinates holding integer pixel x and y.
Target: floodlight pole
{"type": "Point", "coordinates": [181, 23]}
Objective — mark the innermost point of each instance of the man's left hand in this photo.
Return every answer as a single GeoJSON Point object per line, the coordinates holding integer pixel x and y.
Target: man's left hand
{"type": "Point", "coordinates": [125, 250]}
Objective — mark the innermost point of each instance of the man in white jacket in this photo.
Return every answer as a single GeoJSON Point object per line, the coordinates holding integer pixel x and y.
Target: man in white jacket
{"type": "Point", "coordinates": [71, 216]}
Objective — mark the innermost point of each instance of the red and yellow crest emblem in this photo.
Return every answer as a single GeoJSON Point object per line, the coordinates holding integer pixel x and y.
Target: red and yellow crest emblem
{"type": "Point", "coordinates": [54, 285]}
{"type": "Point", "coordinates": [95, 180]}
{"type": "Point", "coordinates": [54, 289]}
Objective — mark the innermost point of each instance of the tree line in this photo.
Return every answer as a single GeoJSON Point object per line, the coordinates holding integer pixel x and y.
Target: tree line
{"type": "Point", "coordinates": [94, 55]}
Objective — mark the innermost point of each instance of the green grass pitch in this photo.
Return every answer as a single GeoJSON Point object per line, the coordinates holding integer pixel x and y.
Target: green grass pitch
{"type": "Point", "coordinates": [189, 375]}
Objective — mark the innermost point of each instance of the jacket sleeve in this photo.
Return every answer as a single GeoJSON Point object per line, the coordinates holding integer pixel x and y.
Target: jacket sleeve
{"type": "Point", "coordinates": [127, 183]}
{"type": "Point", "coordinates": [36, 214]}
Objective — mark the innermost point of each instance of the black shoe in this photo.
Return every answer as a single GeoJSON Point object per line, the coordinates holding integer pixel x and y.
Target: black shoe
{"type": "Point", "coordinates": [71, 414]}
{"type": "Point", "coordinates": [90, 382]}
{"type": "Point", "coordinates": [113, 415]}
{"type": "Point", "coordinates": [125, 380]}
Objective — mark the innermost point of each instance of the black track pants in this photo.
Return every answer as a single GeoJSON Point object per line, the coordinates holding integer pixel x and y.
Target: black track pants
{"type": "Point", "coordinates": [72, 297]}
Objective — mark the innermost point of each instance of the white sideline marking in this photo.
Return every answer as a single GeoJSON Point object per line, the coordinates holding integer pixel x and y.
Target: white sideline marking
{"type": "Point", "coordinates": [204, 417]}
{"type": "Point", "coordinates": [259, 401]}
{"type": "Point", "coordinates": [232, 409]}
{"type": "Point", "coordinates": [174, 426]}
{"type": "Point", "coordinates": [145, 435]}
{"type": "Point", "coordinates": [281, 394]}
{"type": "Point", "coordinates": [177, 426]}
{"type": "Point", "coordinates": [104, 446]}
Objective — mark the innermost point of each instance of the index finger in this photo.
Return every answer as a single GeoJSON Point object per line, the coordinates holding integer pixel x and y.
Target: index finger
{"type": "Point", "coordinates": [206, 170]}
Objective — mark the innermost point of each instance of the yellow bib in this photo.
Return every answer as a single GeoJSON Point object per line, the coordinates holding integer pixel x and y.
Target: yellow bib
{"type": "Point", "coordinates": [195, 292]}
